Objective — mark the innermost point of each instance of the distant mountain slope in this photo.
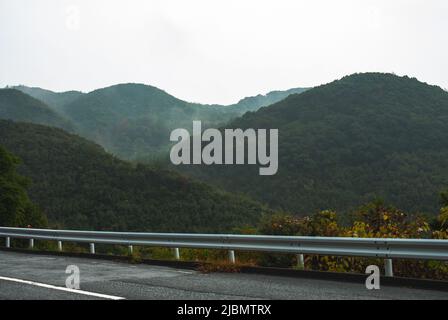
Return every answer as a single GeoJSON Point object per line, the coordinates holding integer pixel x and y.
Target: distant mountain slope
{"type": "Point", "coordinates": [17, 106]}
{"type": "Point", "coordinates": [346, 142]}
{"type": "Point", "coordinates": [135, 120]}
{"type": "Point", "coordinates": [54, 100]}
{"type": "Point", "coordinates": [80, 186]}
{"type": "Point", "coordinates": [259, 101]}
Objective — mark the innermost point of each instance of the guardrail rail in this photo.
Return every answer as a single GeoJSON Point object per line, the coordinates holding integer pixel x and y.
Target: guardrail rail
{"type": "Point", "coordinates": [422, 249]}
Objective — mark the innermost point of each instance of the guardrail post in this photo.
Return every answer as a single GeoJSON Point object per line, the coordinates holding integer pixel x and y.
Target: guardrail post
{"type": "Point", "coordinates": [300, 261]}
{"type": "Point", "coordinates": [8, 242]}
{"type": "Point", "coordinates": [232, 256]}
{"type": "Point", "coordinates": [388, 267]}
{"type": "Point", "coordinates": [59, 245]}
{"type": "Point", "coordinates": [31, 243]}
{"type": "Point", "coordinates": [92, 248]}
{"type": "Point", "coordinates": [131, 249]}
{"type": "Point", "coordinates": [176, 254]}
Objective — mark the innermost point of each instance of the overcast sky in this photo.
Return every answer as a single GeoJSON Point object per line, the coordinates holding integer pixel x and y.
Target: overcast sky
{"type": "Point", "coordinates": [218, 51]}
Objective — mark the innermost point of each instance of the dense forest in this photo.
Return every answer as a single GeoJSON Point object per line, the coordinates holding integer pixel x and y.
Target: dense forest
{"type": "Point", "coordinates": [78, 185]}
{"type": "Point", "coordinates": [16, 209]}
{"type": "Point", "coordinates": [347, 142]}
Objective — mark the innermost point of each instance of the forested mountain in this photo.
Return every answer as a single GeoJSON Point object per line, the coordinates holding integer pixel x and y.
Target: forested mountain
{"type": "Point", "coordinates": [135, 120]}
{"type": "Point", "coordinates": [259, 101]}
{"type": "Point", "coordinates": [344, 143]}
{"type": "Point", "coordinates": [54, 100]}
{"type": "Point", "coordinates": [17, 106]}
{"type": "Point", "coordinates": [79, 185]}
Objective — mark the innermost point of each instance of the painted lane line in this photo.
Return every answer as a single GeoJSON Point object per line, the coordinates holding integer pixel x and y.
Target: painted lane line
{"type": "Point", "coordinates": [49, 286]}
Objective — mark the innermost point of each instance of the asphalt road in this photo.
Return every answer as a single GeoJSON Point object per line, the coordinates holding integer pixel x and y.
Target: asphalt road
{"type": "Point", "coordinates": [122, 280]}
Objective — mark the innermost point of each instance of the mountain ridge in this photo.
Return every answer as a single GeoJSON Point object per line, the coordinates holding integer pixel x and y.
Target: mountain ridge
{"type": "Point", "coordinates": [134, 120]}
{"type": "Point", "coordinates": [18, 106]}
{"type": "Point", "coordinates": [53, 99]}
{"type": "Point", "coordinates": [253, 103]}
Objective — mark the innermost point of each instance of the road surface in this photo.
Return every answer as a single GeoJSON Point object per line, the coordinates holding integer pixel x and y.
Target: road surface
{"type": "Point", "coordinates": [26, 276]}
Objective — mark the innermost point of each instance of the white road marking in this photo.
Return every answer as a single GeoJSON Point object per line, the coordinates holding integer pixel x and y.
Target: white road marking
{"type": "Point", "coordinates": [49, 286]}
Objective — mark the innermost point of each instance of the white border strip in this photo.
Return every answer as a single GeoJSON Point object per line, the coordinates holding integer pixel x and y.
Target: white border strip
{"type": "Point", "coordinates": [48, 286]}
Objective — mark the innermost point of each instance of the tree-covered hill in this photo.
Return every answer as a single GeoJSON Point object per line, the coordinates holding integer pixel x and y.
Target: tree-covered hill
{"type": "Point", "coordinates": [17, 106]}
{"type": "Point", "coordinates": [55, 100]}
{"type": "Point", "coordinates": [344, 143]}
{"type": "Point", "coordinates": [135, 120]}
{"type": "Point", "coordinates": [79, 185]}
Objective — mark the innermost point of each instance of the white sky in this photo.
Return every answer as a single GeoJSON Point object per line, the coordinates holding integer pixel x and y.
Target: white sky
{"type": "Point", "coordinates": [218, 51]}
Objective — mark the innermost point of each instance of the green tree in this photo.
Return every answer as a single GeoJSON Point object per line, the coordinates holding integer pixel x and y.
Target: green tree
{"type": "Point", "coordinates": [16, 208]}
{"type": "Point", "coordinates": [444, 198]}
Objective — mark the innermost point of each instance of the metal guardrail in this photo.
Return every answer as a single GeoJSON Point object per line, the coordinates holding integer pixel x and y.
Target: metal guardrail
{"type": "Point", "coordinates": [422, 249]}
